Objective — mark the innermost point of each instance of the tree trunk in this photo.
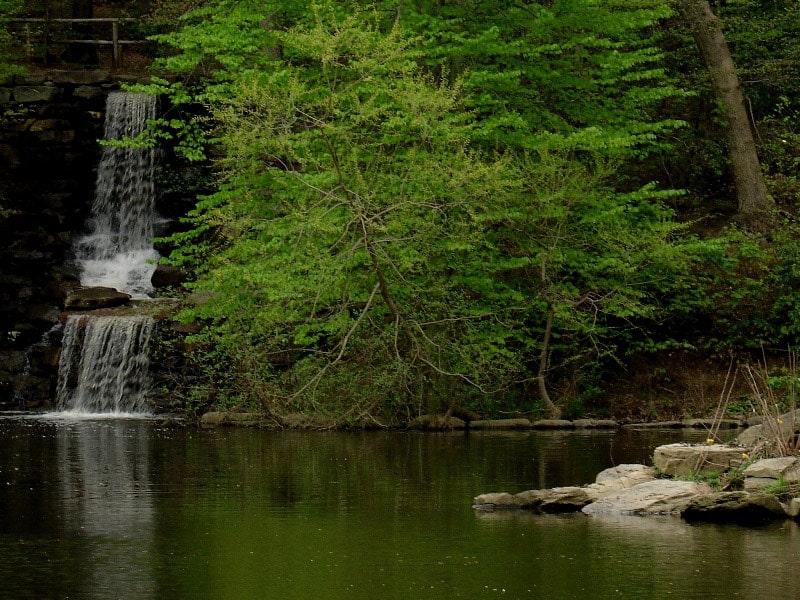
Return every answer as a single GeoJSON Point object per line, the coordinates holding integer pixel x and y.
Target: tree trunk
{"type": "Point", "coordinates": [751, 191]}
{"type": "Point", "coordinates": [541, 377]}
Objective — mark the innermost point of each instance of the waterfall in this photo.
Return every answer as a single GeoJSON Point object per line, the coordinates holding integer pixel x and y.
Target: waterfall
{"type": "Point", "coordinates": [104, 363]}
{"type": "Point", "coordinates": [118, 250]}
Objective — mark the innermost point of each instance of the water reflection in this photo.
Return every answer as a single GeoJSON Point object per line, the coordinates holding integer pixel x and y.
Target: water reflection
{"type": "Point", "coordinates": [104, 485]}
{"type": "Point", "coordinates": [134, 509]}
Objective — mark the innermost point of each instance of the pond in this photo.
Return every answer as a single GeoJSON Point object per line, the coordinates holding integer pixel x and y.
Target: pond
{"type": "Point", "coordinates": [139, 509]}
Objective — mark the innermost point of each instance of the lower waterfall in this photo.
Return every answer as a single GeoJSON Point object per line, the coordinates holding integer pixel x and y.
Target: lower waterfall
{"type": "Point", "coordinates": [104, 364]}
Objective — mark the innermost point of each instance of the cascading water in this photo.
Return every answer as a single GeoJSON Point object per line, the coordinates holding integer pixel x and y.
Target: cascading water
{"type": "Point", "coordinates": [118, 251]}
{"type": "Point", "coordinates": [104, 362]}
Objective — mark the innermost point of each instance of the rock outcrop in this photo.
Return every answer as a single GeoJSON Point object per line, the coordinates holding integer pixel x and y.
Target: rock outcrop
{"type": "Point", "coordinates": [633, 489]}
{"type": "Point", "coordinates": [656, 497]}
{"type": "Point", "coordinates": [682, 460]}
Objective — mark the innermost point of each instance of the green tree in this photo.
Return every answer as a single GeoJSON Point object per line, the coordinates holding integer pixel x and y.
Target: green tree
{"type": "Point", "coordinates": [380, 236]}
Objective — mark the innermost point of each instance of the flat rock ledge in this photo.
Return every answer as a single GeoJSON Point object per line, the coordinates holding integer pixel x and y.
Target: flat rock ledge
{"type": "Point", "coordinates": [554, 500]}
{"type": "Point", "coordinates": [91, 298]}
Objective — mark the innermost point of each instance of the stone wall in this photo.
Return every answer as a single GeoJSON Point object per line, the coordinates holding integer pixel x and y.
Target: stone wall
{"type": "Point", "coordinates": [49, 127]}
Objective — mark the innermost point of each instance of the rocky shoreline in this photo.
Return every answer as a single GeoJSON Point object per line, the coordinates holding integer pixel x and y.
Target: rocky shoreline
{"type": "Point", "coordinates": [678, 484]}
{"type": "Point", "coordinates": [444, 423]}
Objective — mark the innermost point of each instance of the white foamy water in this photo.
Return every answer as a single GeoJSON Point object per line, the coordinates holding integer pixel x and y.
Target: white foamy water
{"type": "Point", "coordinates": [104, 365]}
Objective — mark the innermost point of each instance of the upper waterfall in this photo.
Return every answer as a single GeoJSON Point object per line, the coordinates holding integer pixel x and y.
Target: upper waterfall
{"type": "Point", "coordinates": [118, 250]}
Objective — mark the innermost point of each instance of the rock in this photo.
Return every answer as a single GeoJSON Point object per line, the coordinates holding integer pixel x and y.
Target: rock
{"type": "Point", "coordinates": [712, 424]}
{"type": "Point", "coordinates": [37, 93]}
{"type": "Point", "coordinates": [239, 419]}
{"type": "Point", "coordinates": [82, 77]}
{"type": "Point", "coordinates": [29, 79]}
{"type": "Point", "coordinates": [786, 468]}
{"type": "Point", "coordinates": [95, 297]}
{"type": "Point", "coordinates": [90, 92]}
{"type": "Point", "coordinates": [495, 500]}
{"type": "Point", "coordinates": [212, 419]}
{"type": "Point", "coordinates": [754, 484]}
{"type": "Point", "coordinates": [11, 361]}
{"type": "Point", "coordinates": [656, 425]}
{"type": "Point", "coordinates": [793, 508]}
{"type": "Point", "coordinates": [785, 426]}
{"type": "Point", "coordinates": [436, 423]}
{"type": "Point", "coordinates": [167, 276]}
{"type": "Point", "coordinates": [657, 497]}
{"type": "Point", "coordinates": [553, 424]}
{"type": "Point", "coordinates": [615, 479]}
{"type": "Point", "coordinates": [554, 500]}
{"type": "Point", "coordinates": [595, 424]}
{"type": "Point", "coordinates": [680, 460]}
{"type": "Point", "coordinates": [769, 471]}
{"type": "Point", "coordinates": [734, 507]}
{"type": "Point", "coordinates": [500, 424]}
{"type": "Point", "coordinates": [557, 500]}
{"type": "Point", "coordinates": [306, 421]}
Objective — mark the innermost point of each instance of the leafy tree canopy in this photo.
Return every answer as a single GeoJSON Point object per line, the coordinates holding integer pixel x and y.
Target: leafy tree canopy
{"type": "Point", "coordinates": [400, 217]}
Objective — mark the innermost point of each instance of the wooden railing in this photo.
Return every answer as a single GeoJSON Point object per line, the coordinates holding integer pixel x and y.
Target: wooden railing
{"type": "Point", "coordinates": [48, 38]}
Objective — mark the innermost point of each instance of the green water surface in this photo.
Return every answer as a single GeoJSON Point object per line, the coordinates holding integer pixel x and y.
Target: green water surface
{"type": "Point", "coordinates": [140, 510]}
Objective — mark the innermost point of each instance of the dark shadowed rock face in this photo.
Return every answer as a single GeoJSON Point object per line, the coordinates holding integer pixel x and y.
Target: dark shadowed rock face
{"type": "Point", "coordinates": [48, 153]}
{"type": "Point", "coordinates": [167, 276]}
{"type": "Point", "coordinates": [735, 507]}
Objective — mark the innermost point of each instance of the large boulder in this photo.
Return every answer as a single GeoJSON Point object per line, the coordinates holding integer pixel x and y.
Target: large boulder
{"type": "Point", "coordinates": [92, 298]}
{"type": "Point", "coordinates": [657, 497]}
{"type": "Point", "coordinates": [734, 507]}
{"type": "Point", "coordinates": [681, 460]}
{"type": "Point", "coordinates": [615, 479]}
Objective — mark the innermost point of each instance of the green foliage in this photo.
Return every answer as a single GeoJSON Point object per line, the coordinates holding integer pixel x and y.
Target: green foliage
{"type": "Point", "coordinates": [386, 237]}
{"type": "Point", "coordinates": [570, 74]}
{"type": "Point", "coordinates": [8, 10]}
